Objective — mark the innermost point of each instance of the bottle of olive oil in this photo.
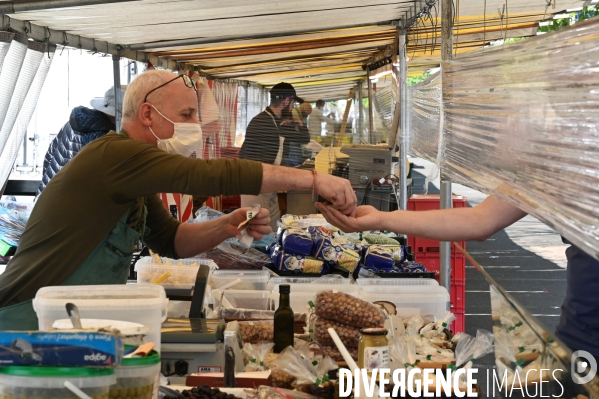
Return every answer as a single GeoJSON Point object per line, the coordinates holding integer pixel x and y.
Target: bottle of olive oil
{"type": "Point", "coordinates": [283, 321]}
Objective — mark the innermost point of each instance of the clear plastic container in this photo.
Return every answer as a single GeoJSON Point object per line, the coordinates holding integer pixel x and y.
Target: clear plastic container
{"type": "Point", "coordinates": [26, 382]}
{"type": "Point", "coordinates": [137, 377]}
{"type": "Point", "coordinates": [139, 303]}
{"type": "Point", "coordinates": [248, 299]}
{"type": "Point", "coordinates": [250, 279]}
{"type": "Point", "coordinates": [299, 301]}
{"type": "Point", "coordinates": [275, 281]}
{"type": "Point", "coordinates": [376, 284]}
{"type": "Point", "coordinates": [412, 300]}
{"type": "Point", "coordinates": [183, 272]}
{"type": "Point", "coordinates": [351, 289]}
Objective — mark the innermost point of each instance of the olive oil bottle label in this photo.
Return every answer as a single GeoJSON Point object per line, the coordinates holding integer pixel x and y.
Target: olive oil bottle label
{"type": "Point", "coordinates": [376, 357]}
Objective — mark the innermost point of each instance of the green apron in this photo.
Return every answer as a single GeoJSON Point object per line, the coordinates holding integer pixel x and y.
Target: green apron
{"type": "Point", "coordinates": [109, 263]}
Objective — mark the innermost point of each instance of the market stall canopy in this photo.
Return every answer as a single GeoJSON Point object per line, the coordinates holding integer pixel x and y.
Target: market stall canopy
{"type": "Point", "coordinates": [319, 47]}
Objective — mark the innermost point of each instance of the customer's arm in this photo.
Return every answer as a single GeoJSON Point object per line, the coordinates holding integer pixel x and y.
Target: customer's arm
{"type": "Point", "coordinates": [457, 224]}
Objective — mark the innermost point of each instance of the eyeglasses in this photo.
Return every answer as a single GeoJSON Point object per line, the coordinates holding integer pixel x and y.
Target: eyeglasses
{"type": "Point", "coordinates": [186, 79]}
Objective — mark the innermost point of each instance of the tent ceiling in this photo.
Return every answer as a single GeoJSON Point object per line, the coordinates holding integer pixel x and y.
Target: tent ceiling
{"type": "Point", "coordinates": [319, 47]}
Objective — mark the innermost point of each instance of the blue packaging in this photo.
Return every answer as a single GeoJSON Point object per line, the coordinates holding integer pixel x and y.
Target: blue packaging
{"type": "Point", "coordinates": [379, 259]}
{"type": "Point", "coordinates": [297, 242]}
{"type": "Point", "coordinates": [295, 263]}
{"type": "Point", "coordinates": [65, 349]}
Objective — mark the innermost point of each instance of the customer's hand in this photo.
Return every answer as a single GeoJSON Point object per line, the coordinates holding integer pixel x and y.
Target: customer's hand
{"type": "Point", "coordinates": [338, 191]}
{"type": "Point", "coordinates": [366, 218]}
{"type": "Point", "coordinates": [259, 226]}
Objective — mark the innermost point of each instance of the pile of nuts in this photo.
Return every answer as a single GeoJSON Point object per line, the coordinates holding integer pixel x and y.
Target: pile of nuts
{"type": "Point", "coordinates": [347, 309]}
{"type": "Point", "coordinates": [334, 353]}
{"type": "Point", "coordinates": [205, 392]}
{"type": "Point", "coordinates": [349, 335]}
{"type": "Point", "coordinates": [256, 331]}
{"type": "Point", "coordinates": [282, 379]}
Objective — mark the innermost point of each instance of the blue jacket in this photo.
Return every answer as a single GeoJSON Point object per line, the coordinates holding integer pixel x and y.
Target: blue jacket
{"type": "Point", "coordinates": [84, 126]}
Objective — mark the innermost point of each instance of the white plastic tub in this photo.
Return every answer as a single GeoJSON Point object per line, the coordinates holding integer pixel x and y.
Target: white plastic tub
{"type": "Point", "coordinates": [139, 303]}
{"type": "Point", "coordinates": [432, 300]}
{"type": "Point", "coordinates": [24, 382]}
{"type": "Point", "coordinates": [137, 377]}
{"type": "Point", "coordinates": [275, 281]}
{"type": "Point", "coordinates": [183, 272]}
{"type": "Point", "coordinates": [250, 279]}
{"type": "Point", "coordinates": [299, 301]}
{"type": "Point", "coordinates": [248, 299]}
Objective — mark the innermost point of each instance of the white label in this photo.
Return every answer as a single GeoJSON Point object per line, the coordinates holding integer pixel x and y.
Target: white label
{"type": "Point", "coordinates": [209, 369]}
{"type": "Point", "coordinates": [376, 357]}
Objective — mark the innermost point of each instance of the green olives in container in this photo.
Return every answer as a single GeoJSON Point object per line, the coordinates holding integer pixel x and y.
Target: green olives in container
{"type": "Point", "coordinates": [28, 382]}
{"type": "Point", "coordinates": [137, 377]}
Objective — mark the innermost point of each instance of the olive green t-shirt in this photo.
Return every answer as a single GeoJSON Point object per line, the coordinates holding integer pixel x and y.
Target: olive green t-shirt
{"type": "Point", "coordinates": [112, 175]}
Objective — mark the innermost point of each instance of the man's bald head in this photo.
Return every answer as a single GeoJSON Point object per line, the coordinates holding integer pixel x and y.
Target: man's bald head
{"type": "Point", "coordinates": [137, 90]}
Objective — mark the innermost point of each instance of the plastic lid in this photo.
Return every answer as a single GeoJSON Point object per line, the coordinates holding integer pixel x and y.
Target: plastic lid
{"type": "Point", "coordinates": [284, 289]}
{"type": "Point", "coordinates": [40, 371]}
{"type": "Point", "coordinates": [373, 331]}
{"type": "Point", "coordinates": [152, 358]}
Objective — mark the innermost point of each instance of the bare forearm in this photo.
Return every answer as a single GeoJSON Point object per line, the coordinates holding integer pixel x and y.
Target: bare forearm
{"type": "Point", "coordinates": [278, 178]}
{"type": "Point", "coordinates": [194, 238]}
{"type": "Point", "coordinates": [463, 224]}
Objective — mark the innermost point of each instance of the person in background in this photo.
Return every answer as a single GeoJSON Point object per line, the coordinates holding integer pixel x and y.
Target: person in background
{"type": "Point", "coordinates": [300, 116]}
{"type": "Point", "coordinates": [579, 322]}
{"type": "Point", "coordinates": [267, 140]}
{"type": "Point", "coordinates": [84, 126]}
{"type": "Point", "coordinates": [86, 222]}
{"type": "Point", "coordinates": [317, 118]}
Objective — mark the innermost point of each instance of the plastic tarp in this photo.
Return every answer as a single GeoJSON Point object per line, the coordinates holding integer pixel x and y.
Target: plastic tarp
{"type": "Point", "coordinates": [34, 71]}
{"type": "Point", "coordinates": [520, 122]}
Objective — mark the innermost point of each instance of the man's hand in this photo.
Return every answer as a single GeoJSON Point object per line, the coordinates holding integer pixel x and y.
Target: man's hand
{"type": "Point", "coordinates": [258, 226]}
{"type": "Point", "coordinates": [338, 191]}
{"type": "Point", "coordinates": [366, 218]}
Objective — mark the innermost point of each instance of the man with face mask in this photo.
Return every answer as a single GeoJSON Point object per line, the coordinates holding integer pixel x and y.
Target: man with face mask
{"type": "Point", "coordinates": [268, 138]}
{"type": "Point", "coordinates": [86, 222]}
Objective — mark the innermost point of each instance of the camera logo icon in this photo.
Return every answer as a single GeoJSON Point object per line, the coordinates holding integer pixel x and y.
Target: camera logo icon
{"type": "Point", "coordinates": [581, 362]}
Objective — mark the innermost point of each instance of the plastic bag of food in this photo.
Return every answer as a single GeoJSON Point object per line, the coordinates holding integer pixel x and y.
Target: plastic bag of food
{"type": "Point", "coordinates": [205, 214]}
{"type": "Point", "coordinates": [256, 331]}
{"type": "Point", "coordinates": [334, 353]}
{"type": "Point", "coordinates": [349, 335]}
{"type": "Point", "coordinates": [234, 255]}
{"type": "Point", "coordinates": [265, 392]}
{"type": "Point", "coordinates": [282, 379]}
{"type": "Point", "coordinates": [347, 309]}
{"type": "Point", "coordinates": [379, 258]}
{"type": "Point", "coordinates": [297, 364]}
{"type": "Point", "coordinates": [379, 239]}
{"type": "Point", "coordinates": [297, 242]}
{"type": "Point", "coordinates": [325, 249]}
{"type": "Point", "coordinates": [470, 348]}
{"type": "Point", "coordinates": [255, 354]}
{"type": "Point", "coordinates": [296, 263]}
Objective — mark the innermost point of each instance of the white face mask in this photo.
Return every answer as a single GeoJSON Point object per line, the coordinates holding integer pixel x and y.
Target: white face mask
{"type": "Point", "coordinates": [186, 139]}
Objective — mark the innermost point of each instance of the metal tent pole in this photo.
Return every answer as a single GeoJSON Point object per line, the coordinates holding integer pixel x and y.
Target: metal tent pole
{"type": "Point", "coordinates": [360, 111]}
{"type": "Point", "coordinates": [403, 101]}
{"type": "Point", "coordinates": [116, 70]}
{"type": "Point", "coordinates": [370, 111]}
{"type": "Point", "coordinates": [445, 198]}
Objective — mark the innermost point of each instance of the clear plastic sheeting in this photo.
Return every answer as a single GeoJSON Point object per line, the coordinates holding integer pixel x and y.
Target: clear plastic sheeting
{"type": "Point", "coordinates": [384, 106]}
{"type": "Point", "coordinates": [31, 79]}
{"type": "Point", "coordinates": [425, 118]}
{"type": "Point", "coordinates": [9, 74]}
{"type": "Point", "coordinates": [521, 124]}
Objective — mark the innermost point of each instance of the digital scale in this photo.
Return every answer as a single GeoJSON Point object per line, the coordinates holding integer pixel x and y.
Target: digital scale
{"type": "Point", "coordinates": [194, 344]}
